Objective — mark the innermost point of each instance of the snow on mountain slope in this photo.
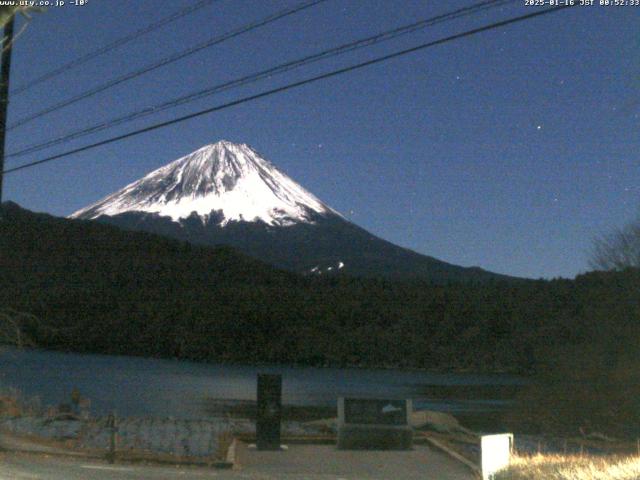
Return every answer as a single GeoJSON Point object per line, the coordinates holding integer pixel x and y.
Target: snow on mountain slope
{"type": "Point", "coordinates": [224, 177]}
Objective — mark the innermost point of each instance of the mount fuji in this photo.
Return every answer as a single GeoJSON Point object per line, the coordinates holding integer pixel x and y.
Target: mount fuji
{"type": "Point", "coordinates": [226, 193]}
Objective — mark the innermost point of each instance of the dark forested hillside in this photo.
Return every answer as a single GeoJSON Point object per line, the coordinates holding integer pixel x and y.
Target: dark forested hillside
{"type": "Point", "coordinates": [303, 247]}
{"type": "Point", "coordinates": [93, 287]}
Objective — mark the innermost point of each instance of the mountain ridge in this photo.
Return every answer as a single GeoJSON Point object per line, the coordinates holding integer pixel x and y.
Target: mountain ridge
{"type": "Point", "coordinates": [225, 177]}
{"type": "Point", "coordinates": [226, 193]}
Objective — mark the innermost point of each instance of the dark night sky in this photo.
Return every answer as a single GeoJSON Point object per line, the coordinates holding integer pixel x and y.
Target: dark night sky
{"type": "Point", "coordinates": [509, 150]}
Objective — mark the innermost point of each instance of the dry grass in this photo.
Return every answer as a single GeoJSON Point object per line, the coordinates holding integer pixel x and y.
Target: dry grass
{"type": "Point", "coordinates": [14, 404]}
{"type": "Point", "coordinates": [567, 467]}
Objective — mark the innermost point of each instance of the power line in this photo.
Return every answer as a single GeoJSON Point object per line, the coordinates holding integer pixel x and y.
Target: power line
{"type": "Point", "coordinates": [111, 46]}
{"type": "Point", "coordinates": [282, 68]}
{"type": "Point", "coordinates": [292, 86]}
{"type": "Point", "coordinates": [268, 73]}
{"type": "Point", "coordinates": [167, 60]}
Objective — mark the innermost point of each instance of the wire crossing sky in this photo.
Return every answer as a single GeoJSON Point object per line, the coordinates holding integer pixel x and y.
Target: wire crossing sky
{"type": "Point", "coordinates": [509, 149]}
{"type": "Point", "coordinates": [287, 87]}
{"type": "Point", "coordinates": [166, 61]}
{"type": "Point", "coordinates": [268, 73]}
{"type": "Point", "coordinates": [111, 46]}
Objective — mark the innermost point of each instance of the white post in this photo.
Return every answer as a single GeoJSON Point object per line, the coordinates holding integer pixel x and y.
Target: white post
{"type": "Point", "coordinates": [495, 451]}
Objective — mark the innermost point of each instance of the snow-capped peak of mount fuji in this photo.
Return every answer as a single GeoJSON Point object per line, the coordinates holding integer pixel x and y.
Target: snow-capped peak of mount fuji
{"type": "Point", "coordinates": [222, 178]}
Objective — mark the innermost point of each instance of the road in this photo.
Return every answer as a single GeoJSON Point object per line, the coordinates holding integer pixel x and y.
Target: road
{"type": "Point", "coordinates": [326, 462]}
{"type": "Point", "coordinates": [22, 466]}
{"type": "Point", "coordinates": [298, 463]}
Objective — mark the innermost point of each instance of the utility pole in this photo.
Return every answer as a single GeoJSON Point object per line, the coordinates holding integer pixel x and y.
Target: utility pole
{"type": "Point", "coordinates": [5, 67]}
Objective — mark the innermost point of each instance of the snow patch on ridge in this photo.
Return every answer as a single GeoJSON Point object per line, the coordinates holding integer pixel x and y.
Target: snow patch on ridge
{"type": "Point", "coordinates": [225, 177]}
{"type": "Point", "coordinates": [318, 270]}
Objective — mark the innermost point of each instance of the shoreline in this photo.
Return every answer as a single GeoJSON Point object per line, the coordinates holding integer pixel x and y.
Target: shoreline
{"type": "Point", "coordinates": [361, 367]}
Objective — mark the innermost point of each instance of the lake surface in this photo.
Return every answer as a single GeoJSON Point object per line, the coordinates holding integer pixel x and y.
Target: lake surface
{"type": "Point", "coordinates": [135, 386]}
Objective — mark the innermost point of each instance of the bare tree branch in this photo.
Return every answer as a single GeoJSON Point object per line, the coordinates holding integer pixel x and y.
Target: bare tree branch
{"type": "Point", "coordinates": [8, 12]}
{"type": "Point", "coordinates": [617, 250]}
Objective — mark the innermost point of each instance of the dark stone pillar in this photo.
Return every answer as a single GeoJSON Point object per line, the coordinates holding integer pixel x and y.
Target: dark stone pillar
{"type": "Point", "coordinates": [269, 412]}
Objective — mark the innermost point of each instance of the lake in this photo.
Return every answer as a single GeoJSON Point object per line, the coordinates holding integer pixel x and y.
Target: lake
{"type": "Point", "coordinates": [134, 386]}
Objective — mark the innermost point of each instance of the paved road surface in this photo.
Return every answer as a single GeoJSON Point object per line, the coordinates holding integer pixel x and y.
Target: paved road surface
{"type": "Point", "coordinates": [19, 466]}
{"type": "Point", "coordinates": [298, 463]}
{"type": "Point", "coordinates": [326, 462]}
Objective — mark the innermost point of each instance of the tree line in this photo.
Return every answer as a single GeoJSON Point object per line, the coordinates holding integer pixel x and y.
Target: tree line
{"type": "Point", "coordinates": [86, 287]}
